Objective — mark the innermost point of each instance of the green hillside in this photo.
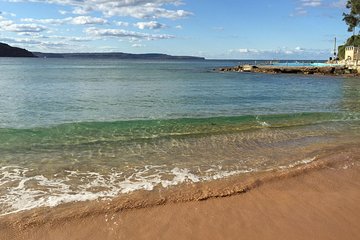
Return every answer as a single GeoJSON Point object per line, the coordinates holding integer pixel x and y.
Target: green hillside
{"type": "Point", "coordinates": [352, 41]}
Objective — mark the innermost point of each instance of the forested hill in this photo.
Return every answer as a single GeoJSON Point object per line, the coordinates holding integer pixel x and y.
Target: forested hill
{"type": "Point", "coordinates": [117, 55]}
{"type": "Point", "coordinates": [9, 51]}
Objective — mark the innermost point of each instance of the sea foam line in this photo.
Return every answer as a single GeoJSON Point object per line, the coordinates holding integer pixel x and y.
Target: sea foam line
{"type": "Point", "coordinates": [20, 193]}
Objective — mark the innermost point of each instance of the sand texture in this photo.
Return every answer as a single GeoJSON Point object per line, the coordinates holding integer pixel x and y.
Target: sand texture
{"type": "Point", "coordinates": [316, 202]}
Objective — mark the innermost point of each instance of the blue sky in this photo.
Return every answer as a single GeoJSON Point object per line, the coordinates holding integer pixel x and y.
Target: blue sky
{"type": "Point", "coordinates": [237, 29]}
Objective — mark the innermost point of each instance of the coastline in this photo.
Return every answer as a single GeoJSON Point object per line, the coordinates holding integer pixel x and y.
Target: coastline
{"type": "Point", "coordinates": [306, 70]}
{"type": "Point", "coordinates": [317, 200]}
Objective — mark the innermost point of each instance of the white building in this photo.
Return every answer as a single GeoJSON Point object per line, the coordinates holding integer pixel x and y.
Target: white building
{"type": "Point", "coordinates": [352, 53]}
{"type": "Point", "coordinates": [352, 57]}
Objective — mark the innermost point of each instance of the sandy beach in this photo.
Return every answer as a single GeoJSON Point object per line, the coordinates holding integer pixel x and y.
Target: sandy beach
{"type": "Point", "coordinates": [179, 119]}
{"type": "Point", "coordinates": [316, 201]}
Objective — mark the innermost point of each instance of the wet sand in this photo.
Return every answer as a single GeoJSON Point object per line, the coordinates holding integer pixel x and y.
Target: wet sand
{"type": "Point", "coordinates": [316, 201]}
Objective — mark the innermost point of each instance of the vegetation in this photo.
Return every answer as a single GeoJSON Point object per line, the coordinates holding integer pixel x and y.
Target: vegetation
{"type": "Point", "coordinates": [8, 51]}
{"type": "Point", "coordinates": [352, 18]}
{"type": "Point", "coordinates": [116, 55]}
{"type": "Point", "coordinates": [352, 41]}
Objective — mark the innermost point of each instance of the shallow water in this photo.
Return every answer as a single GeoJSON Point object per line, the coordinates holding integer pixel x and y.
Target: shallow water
{"type": "Point", "coordinates": [73, 130]}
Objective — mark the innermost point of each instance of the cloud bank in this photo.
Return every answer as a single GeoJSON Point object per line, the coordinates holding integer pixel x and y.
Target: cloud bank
{"type": "Point", "coordinates": [143, 9]}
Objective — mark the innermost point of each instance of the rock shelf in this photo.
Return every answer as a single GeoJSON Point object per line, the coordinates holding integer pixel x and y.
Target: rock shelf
{"type": "Point", "coordinates": [331, 70]}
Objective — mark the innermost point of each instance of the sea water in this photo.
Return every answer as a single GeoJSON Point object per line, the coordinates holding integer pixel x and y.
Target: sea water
{"type": "Point", "coordinates": [85, 129]}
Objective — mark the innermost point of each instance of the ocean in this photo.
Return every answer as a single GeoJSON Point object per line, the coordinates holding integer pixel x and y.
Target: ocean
{"type": "Point", "coordinates": [84, 129]}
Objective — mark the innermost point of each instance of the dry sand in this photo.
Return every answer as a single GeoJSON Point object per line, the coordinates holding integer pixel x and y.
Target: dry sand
{"type": "Point", "coordinates": [319, 202]}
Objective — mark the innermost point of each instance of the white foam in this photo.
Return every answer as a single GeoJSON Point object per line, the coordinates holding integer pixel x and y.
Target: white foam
{"type": "Point", "coordinates": [298, 163]}
{"type": "Point", "coordinates": [261, 123]}
{"type": "Point", "coordinates": [23, 192]}
{"type": "Point", "coordinates": [264, 124]}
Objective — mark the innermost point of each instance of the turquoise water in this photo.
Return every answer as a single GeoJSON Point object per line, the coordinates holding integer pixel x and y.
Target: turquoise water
{"type": "Point", "coordinates": [44, 92]}
{"type": "Point", "coordinates": [75, 130]}
{"type": "Point", "coordinates": [305, 64]}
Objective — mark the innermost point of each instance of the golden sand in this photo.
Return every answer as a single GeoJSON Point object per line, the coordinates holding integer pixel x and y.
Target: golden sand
{"type": "Point", "coordinates": [316, 201]}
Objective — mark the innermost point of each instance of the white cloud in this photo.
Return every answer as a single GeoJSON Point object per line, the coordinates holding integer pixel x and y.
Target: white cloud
{"type": "Point", "coordinates": [71, 39]}
{"type": "Point", "coordinates": [82, 10]}
{"type": "Point", "coordinates": [339, 4]}
{"type": "Point", "coordinates": [46, 21]}
{"type": "Point", "coordinates": [244, 50]}
{"type": "Point", "coordinates": [47, 45]}
{"type": "Point", "coordinates": [303, 5]}
{"type": "Point", "coordinates": [137, 45]}
{"type": "Point", "coordinates": [149, 25]}
{"type": "Point", "coordinates": [7, 14]}
{"type": "Point", "coordinates": [143, 9]}
{"type": "Point", "coordinates": [149, 11]}
{"type": "Point", "coordinates": [121, 33]}
{"type": "Point", "coordinates": [34, 42]}
{"type": "Point", "coordinates": [179, 27]}
{"type": "Point", "coordinates": [80, 20]}
{"type": "Point", "coordinates": [311, 3]}
{"type": "Point", "coordinates": [299, 11]}
{"type": "Point", "coordinates": [20, 40]}
{"type": "Point", "coordinates": [91, 14]}
{"type": "Point", "coordinates": [281, 53]}
{"type": "Point", "coordinates": [8, 25]}
{"type": "Point", "coordinates": [122, 24]}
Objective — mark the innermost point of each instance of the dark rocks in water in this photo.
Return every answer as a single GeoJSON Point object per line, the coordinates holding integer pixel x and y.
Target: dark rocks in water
{"type": "Point", "coordinates": [332, 70]}
{"type": "Point", "coordinates": [9, 51]}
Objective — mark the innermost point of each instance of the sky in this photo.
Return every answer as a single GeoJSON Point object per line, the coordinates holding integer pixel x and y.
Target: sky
{"type": "Point", "coordinates": [226, 29]}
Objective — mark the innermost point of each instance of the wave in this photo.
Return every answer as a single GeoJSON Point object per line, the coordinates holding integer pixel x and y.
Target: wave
{"type": "Point", "coordinates": [139, 130]}
{"type": "Point", "coordinates": [25, 193]}
{"type": "Point", "coordinates": [22, 198]}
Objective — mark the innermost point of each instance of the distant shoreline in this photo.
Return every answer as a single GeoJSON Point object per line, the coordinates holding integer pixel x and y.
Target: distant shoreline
{"type": "Point", "coordinates": [10, 51]}
{"type": "Point", "coordinates": [116, 55]}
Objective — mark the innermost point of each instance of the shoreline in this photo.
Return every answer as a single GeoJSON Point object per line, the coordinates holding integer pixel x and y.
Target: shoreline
{"type": "Point", "coordinates": [308, 70]}
{"type": "Point", "coordinates": [343, 165]}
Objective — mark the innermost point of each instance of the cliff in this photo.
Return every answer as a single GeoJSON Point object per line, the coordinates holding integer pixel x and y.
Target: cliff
{"type": "Point", "coordinates": [9, 51]}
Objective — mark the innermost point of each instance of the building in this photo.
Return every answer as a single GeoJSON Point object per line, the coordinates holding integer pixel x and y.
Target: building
{"type": "Point", "coordinates": [352, 53]}
{"type": "Point", "coordinates": [352, 57]}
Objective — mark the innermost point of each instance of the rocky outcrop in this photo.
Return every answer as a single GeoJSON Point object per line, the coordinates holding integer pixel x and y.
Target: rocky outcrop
{"type": "Point", "coordinates": [8, 51]}
{"type": "Point", "coordinates": [334, 70]}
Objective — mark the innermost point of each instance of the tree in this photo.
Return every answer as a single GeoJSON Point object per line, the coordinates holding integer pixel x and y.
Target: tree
{"type": "Point", "coordinates": [352, 18]}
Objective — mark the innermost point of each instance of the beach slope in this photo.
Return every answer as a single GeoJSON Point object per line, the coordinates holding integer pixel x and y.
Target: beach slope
{"type": "Point", "coordinates": [319, 203]}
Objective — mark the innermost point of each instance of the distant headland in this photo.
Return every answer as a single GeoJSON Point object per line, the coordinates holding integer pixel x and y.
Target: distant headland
{"type": "Point", "coordinates": [117, 55]}
{"type": "Point", "coordinates": [9, 51]}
